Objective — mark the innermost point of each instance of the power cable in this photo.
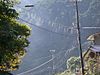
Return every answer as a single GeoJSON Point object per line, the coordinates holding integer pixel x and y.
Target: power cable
{"type": "Point", "coordinates": [90, 27]}
{"type": "Point", "coordinates": [41, 27]}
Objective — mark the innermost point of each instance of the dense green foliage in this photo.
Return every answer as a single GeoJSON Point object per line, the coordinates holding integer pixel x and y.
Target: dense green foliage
{"type": "Point", "coordinates": [13, 36]}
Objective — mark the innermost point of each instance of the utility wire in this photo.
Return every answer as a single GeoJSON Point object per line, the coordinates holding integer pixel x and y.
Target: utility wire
{"type": "Point", "coordinates": [41, 27]}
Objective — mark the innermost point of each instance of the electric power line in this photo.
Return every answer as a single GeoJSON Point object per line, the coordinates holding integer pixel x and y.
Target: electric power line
{"type": "Point", "coordinates": [41, 27]}
{"type": "Point", "coordinates": [90, 27]}
{"type": "Point", "coordinates": [51, 30]}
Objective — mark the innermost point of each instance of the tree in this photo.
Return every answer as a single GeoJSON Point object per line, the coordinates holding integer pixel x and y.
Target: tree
{"type": "Point", "coordinates": [73, 63]}
{"type": "Point", "coordinates": [13, 36]}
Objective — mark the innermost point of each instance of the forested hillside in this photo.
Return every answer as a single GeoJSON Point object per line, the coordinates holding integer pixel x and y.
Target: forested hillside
{"type": "Point", "coordinates": [53, 24]}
